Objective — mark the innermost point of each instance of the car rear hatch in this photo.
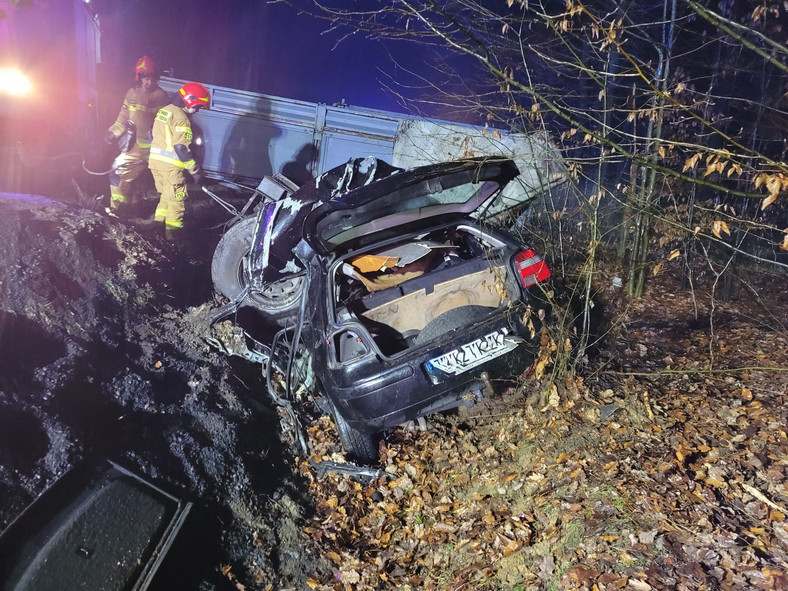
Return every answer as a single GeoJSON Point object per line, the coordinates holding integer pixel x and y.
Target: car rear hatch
{"type": "Point", "coordinates": [367, 197]}
{"type": "Point", "coordinates": [408, 199]}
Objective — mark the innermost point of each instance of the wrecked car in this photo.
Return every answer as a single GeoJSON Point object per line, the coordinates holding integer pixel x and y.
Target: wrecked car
{"type": "Point", "coordinates": [390, 288]}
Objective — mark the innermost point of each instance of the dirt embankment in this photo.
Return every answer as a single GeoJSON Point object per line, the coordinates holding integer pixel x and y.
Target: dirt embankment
{"type": "Point", "coordinates": [102, 355]}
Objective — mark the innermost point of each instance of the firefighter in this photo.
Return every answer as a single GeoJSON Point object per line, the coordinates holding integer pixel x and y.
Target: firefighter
{"type": "Point", "coordinates": [171, 159]}
{"type": "Point", "coordinates": [131, 132]}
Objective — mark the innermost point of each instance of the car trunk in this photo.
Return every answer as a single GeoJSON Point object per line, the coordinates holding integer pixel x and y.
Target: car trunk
{"type": "Point", "coordinates": [397, 290]}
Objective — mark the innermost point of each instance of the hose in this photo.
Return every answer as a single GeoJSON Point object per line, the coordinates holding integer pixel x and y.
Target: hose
{"type": "Point", "coordinates": [28, 162]}
{"type": "Point", "coordinates": [94, 173]}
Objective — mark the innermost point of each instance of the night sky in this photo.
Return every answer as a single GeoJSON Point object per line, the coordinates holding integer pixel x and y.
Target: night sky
{"type": "Point", "coordinates": [254, 46]}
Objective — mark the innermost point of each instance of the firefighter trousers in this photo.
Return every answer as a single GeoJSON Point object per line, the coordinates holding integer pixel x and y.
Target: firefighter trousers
{"type": "Point", "coordinates": [171, 185]}
{"type": "Point", "coordinates": [126, 168]}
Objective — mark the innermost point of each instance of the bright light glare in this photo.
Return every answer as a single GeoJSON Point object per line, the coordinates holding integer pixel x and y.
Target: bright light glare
{"type": "Point", "coordinates": [14, 82]}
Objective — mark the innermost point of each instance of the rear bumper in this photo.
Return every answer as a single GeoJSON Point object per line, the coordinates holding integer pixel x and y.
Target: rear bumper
{"type": "Point", "coordinates": [378, 395]}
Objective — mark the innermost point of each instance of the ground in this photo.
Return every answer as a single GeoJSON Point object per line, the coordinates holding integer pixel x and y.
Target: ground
{"type": "Point", "coordinates": [102, 354]}
{"type": "Point", "coordinates": [661, 464]}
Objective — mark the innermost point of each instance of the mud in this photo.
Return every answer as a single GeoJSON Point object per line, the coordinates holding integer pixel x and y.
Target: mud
{"type": "Point", "coordinates": [103, 355]}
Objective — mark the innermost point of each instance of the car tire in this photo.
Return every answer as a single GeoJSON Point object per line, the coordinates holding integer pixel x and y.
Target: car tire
{"type": "Point", "coordinates": [450, 320]}
{"type": "Point", "coordinates": [360, 445]}
{"type": "Point", "coordinates": [279, 301]}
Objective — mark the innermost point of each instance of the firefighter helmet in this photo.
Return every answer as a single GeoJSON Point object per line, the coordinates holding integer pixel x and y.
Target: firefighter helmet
{"type": "Point", "coordinates": [194, 95]}
{"type": "Point", "coordinates": [145, 67]}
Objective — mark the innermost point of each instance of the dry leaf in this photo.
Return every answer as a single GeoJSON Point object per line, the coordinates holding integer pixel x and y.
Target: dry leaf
{"type": "Point", "coordinates": [773, 184]}
{"type": "Point", "coordinates": [582, 573]}
{"type": "Point", "coordinates": [349, 577]}
{"type": "Point", "coordinates": [761, 497]}
{"type": "Point", "coordinates": [719, 227]}
{"type": "Point", "coordinates": [554, 398]}
{"type": "Point", "coordinates": [769, 200]}
{"type": "Point", "coordinates": [691, 162]}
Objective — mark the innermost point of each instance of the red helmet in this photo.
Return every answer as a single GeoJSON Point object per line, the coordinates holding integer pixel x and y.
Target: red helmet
{"type": "Point", "coordinates": [195, 94]}
{"type": "Point", "coordinates": [145, 67]}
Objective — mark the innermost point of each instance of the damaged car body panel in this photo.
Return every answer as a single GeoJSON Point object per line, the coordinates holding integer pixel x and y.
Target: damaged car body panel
{"type": "Point", "coordinates": [96, 527]}
{"type": "Point", "coordinates": [409, 302]}
{"type": "Point", "coordinates": [281, 222]}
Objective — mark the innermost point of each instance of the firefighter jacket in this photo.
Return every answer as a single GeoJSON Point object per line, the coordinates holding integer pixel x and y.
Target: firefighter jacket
{"type": "Point", "coordinates": [139, 107]}
{"type": "Point", "coordinates": [172, 140]}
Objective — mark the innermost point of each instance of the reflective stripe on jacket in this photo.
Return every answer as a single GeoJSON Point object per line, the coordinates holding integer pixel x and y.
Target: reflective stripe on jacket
{"type": "Point", "coordinates": [170, 128]}
{"type": "Point", "coordinates": [140, 108]}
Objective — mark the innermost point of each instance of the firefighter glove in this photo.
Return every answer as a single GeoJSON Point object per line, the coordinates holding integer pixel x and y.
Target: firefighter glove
{"type": "Point", "coordinates": [110, 139]}
{"type": "Point", "coordinates": [197, 176]}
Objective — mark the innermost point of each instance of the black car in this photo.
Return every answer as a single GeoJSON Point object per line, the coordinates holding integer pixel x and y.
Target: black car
{"type": "Point", "coordinates": [404, 301]}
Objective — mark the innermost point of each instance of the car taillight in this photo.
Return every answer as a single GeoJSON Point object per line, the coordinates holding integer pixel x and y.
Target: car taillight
{"type": "Point", "coordinates": [531, 267]}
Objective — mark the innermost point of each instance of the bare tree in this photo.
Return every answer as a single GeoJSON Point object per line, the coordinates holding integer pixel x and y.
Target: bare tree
{"type": "Point", "coordinates": [670, 115]}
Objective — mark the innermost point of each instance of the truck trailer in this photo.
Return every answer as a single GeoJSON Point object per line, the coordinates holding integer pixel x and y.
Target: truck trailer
{"type": "Point", "coordinates": [247, 136]}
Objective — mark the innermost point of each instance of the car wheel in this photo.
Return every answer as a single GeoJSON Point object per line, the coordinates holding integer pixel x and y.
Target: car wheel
{"type": "Point", "coordinates": [279, 301]}
{"type": "Point", "coordinates": [362, 446]}
{"type": "Point", "coordinates": [450, 320]}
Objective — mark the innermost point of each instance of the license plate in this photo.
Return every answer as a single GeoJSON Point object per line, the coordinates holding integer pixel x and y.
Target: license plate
{"type": "Point", "coordinates": [474, 353]}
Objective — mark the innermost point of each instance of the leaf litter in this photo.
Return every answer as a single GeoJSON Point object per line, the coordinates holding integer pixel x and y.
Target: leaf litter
{"type": "Point", "coordinates": [664, 469]}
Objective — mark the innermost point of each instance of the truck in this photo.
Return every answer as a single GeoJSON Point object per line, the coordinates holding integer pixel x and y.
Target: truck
{"type": "Point", "coordinates": [48, 92]}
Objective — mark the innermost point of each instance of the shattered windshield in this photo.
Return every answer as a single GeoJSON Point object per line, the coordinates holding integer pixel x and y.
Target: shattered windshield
{"type": "Point", "coordinates": [428, 198]}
